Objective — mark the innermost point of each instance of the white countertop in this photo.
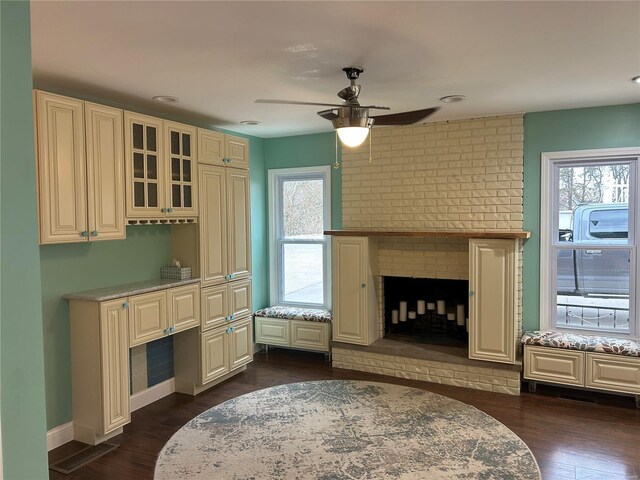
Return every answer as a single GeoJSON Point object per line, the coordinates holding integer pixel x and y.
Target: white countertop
{"type": "Point", "coordinates": [119, 291]}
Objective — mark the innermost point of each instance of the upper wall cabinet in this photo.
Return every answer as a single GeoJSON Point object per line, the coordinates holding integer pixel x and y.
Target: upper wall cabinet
{"type": "Point", "coordinates": [215, 148]}
{"type": "Point", "coordinates": [160, 159]}
{"type": "Point", "coordinates": [80, 175]}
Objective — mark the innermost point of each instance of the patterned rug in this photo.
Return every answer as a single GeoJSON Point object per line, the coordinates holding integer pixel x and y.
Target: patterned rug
{"type": "Point", "coordinates": [345, 430]}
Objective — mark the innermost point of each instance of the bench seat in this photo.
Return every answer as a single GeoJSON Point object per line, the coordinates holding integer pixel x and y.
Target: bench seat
{"type": "Point", "coordinates": [587, 361]}
{"type": "Point", "coordinates": [585, 343]}
{"type": "Point", "coordinates": [292, 327]}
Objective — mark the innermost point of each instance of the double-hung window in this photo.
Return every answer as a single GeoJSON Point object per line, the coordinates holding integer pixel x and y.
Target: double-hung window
{"type": "Point", "coordinates": [300, 211]}
{"type": "Point", "coordinates": [589, 238]}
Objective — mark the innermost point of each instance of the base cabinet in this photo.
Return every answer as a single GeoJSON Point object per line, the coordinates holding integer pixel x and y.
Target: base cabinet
{"type": "Point", "coordinates": [225, 349]}
{"type": "Point", "coordinates": [293, 333]}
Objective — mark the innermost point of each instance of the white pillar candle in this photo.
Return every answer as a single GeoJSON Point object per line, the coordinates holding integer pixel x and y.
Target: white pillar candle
{"type": "Point", "coordinates": [441, 308]}
{"type": "Point", "coordinates": [403, 311]}
{"type": "Point", "coordinates": [451, 316]}
{"type": "Point", "coordinates": [412, 315]}
{"type": "Point", "coordinates": [421, 307]}
{"type": "Point", "coordinates": [431, 306]}
{"type": "Point", "coordinates": [394, 317]}
{"type": "Point", "coordinates": [460, 315]}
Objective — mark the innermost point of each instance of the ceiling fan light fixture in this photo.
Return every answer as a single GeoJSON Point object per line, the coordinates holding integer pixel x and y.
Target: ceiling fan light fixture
{"type": "Point", "coordinates": [353, 136]}
{"type": "Point", "coordinates": [166, 99]}
{"type": "Point", "coordinates": [636, 79]}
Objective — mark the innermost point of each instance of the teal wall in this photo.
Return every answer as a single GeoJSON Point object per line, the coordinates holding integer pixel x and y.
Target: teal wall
{"type": "Point", "coordinates": [578, 129]}
{"type": "Point", "coordinates": [308, 151]}
{"type": "Point", "coordinates": [22, 402]}
{"type": "Point", "coordinates": [81, 266]}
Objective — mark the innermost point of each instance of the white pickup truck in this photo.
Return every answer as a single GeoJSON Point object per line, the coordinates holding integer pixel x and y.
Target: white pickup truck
{"type": "Point", "coordinates": [590, 270]}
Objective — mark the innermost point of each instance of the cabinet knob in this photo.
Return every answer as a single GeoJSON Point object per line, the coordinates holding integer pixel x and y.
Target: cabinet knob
{"type": "Point", "coordinates": [229, 160]}
{"type": "Point", "coordinates": [363, 285]}
{"type": "Point", "coordinates": [169, 210]}
{"type": "Point", "coordinates": [94, 233]}
{"type": "Point", "coordinates": [172, 329]}
{"type": "Point", "coordinates": [85, 234]}
{"type": "Point", "coordinates": [163, 210]}
{"type": "Point", "coordinates": [166, 331]}
{"type": "Point", "coordinates": [125, 305]}
{"type": "Point", "coordinates": [233, 316]}
{"type": "Point", "coordinates": [472, 293]}
{"type": "Point", "coordinates": [233, 275]}
{"type": "Point", "coordinates": [231, 329]}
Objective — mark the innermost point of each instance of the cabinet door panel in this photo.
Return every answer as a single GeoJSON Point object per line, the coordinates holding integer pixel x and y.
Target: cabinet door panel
{"type": "Point", "coordinates": [215, 306]}
{"type": "Point", "coordinates": [273, 331]}
{"type": "Point", "coordinates": [181, 175]}
{"type": "Point", "coordinates": [144, 166]}
{"type": "Point", "coordinates": [148, 318]}
{"type": "Point", "coordinates": [613, 372]}
{"type": "Point", "coordinates": [210, 147]}
{"type": "Point", "coordinates": [184, 304]}
{"type": "Point", "coordinates": [492, 302]}
{"type": "Point", "coordinates": [240, 299]}
{"type": "Point", "coordinates": [554, 365]}
{"type": "Point", "coordinates": [237, 151]}
{"type": "Point", "coordinates": [239, 224]}
{"type": "Point", "coordinates": [349, 295]}
{"type": "Point", "coordinates": [213, 225]}
{"type": "Point", "coordinates": [62, 180]}
{"type": "Point", "coordinates": [114, 360]}
{"type": "Point", "coordinates": [240, 344]}
{"type": "Point", "coordinates": [215, 354]}
{"type": "Point", "coordinates": [311, 335]}
{"type": "Point", "coordinates": [105, 172]}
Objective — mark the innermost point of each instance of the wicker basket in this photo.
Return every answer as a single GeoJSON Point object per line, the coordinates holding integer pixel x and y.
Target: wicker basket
{"type": "Point", "coordinates": [175, 273]}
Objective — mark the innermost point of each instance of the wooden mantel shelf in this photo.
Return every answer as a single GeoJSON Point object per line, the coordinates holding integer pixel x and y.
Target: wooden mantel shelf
{"type": "Point", "coordinates": [430, 234]}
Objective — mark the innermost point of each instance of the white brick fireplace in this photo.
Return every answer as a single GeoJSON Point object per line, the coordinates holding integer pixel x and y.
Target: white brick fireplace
{"type": "Point", "coordinates": [458, 176]}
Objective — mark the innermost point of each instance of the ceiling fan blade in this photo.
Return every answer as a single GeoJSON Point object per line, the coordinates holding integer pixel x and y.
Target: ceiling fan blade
{"type": "Point", "coordinates": [374, 107]}
{"type": "Point", "coordinates": [404, 118]}
{"type": "Point", "coordinates": [293, 102]}
{"type": "Point", "coordinates": [328, 114]}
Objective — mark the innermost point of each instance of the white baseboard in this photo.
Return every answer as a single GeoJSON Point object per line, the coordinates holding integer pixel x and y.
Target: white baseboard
{"type": "Point", "coordinates": [150, 395]}
{"type": "Point", "coordinates": [64, 433]}
{"type": "Point", "coordinates": [59, 436]}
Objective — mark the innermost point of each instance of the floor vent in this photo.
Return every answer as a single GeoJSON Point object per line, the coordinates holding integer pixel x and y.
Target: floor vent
{"type": "Point", "coordinates": [83, 457]}
{"type": "Point", "coordinates": [577, 399]}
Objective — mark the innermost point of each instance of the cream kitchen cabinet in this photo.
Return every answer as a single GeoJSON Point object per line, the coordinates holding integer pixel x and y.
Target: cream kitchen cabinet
{"type": "Point", "coordinates": [99, 369]}
{"type": "Point", "coordinates": [492, 299]}
{"type": "Point", "coordinates": [161, 170]}
{"type": "Point", "coordinates": [355, 313]}
{"type": "Point", "coordinates": [223, 304]}
{"type": "Point", "coordinates": [80, 173]}
{"type": "Point", "coordinates": [157, 314]}
{"type": "Point", "coordinates": [215, 148]}
{"type": "Point", "coordinates": [226, 349]}
{"type": "Point", "coordinates": [225, 229]}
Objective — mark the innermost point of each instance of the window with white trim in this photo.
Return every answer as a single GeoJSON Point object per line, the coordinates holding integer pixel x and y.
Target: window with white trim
{"type": "Point", "coordinates": [299, 212]}
{"type": "Point", "coordinates": [589, 261]}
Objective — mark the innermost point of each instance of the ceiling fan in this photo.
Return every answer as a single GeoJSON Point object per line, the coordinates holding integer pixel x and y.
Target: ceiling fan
{"type": "Point", "coordinates": [352, 120]}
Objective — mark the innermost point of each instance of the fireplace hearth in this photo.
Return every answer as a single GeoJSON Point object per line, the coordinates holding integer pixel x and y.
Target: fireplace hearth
{"type": "Point", "coordinates": [425, 310]}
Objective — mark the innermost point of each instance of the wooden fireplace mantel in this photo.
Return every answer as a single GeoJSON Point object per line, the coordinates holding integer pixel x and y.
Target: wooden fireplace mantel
{"type": "Point", "coordinates": [431, 234]}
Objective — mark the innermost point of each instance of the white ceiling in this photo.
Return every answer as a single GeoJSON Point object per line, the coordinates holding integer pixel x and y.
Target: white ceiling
{"type": "Point", "coordinates": [218, 57]}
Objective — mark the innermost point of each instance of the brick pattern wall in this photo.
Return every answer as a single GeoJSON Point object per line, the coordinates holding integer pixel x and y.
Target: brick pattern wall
{"type": "Point", "coordinates": [457, 175]}
{"type": "Point", "coordinates": [479, 378]}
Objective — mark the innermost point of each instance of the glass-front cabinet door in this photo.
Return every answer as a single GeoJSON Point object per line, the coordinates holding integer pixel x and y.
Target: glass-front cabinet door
{"type": "Point", "coordinates": [182, 184]}
{"type": "Point", "coordinates": [144, 166]}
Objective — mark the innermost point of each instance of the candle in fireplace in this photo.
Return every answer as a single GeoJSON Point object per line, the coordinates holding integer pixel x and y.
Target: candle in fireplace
{"type": "Point", "coordinates": [394, 317]}
{"type": "Point", "coordinates": [412, 315]}
{"type": "Point", "coordinates": [403, 311]}
{"type": "Point", "coordinates": [421, 307]}
{"type": "Point", "coordinates": [441, 308]}
{"type": "Point", "coordinates": [431, 306]}
{"type": "Point", "coordinates": [451, 316]}
{"type": "Point", "coordinates": [460, 315]}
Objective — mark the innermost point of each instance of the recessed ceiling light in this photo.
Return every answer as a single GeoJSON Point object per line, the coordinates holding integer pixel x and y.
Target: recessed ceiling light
{"type": "Point", "coordinates": [250, 122]}
{"type": "Point", "coordinates": [636, 79]}
{"type": "Point", "coordinates": [452, 98]}
{"type": "Point", "coordinates": [166, 99]}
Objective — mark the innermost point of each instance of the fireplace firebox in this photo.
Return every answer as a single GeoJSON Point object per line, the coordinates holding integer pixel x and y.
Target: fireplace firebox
{"type": "Point", "coordinates": [426, 310]}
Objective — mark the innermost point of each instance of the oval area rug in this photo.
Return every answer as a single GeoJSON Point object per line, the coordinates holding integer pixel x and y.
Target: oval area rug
{"type": "Point", "coordinates": [340, 429]}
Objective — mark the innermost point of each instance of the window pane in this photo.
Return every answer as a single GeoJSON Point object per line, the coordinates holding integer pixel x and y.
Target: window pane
{"type": "Point", "coordinates": [303, 273]}
{"type": "Point", "coordinates": [138, 165]}
{"type": "Point", "coordinates": [151, 138]}
{"type": "Point", "coordinates": [175, 143]}
{"type": "Point", "coordinates": [302, 208]}
{"type": "Point", "coordinates": [152, 167]}
{"type": "Point", "coordinates": [138, 141]}
{"type": "Point", "coordinates": [593, 203]}
{"type": "Point", "coordinates": [593, 289]}
{"type": "Point", "coordinates": [186, 144]}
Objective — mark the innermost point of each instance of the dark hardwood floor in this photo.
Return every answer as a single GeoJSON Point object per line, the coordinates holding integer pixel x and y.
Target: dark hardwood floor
{"type": "Point", "coordinates": [573, 434]}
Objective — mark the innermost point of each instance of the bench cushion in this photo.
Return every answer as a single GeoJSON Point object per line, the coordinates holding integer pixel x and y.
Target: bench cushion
{"type": "Point", "coordinates": [296, 313]}
{"type": "Point", "coordinates": [587, 343]}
